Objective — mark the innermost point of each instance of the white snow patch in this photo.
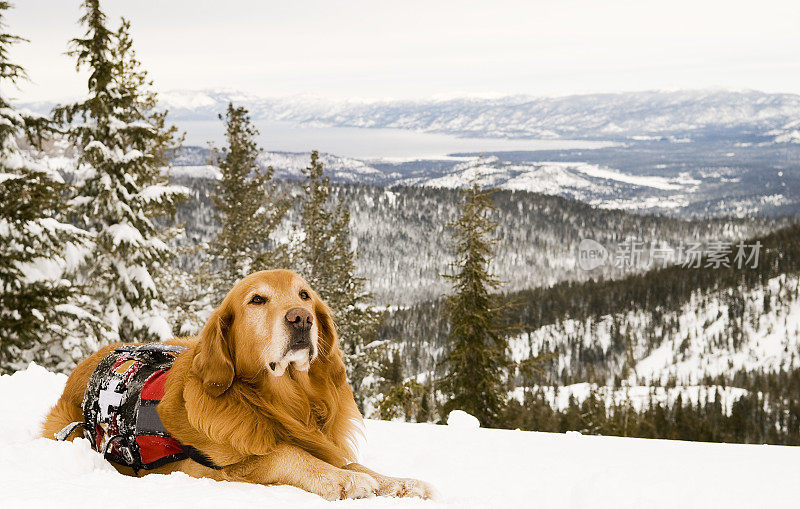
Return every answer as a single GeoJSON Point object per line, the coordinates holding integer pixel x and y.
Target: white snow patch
{"type": "Point", "coordinates": [123, 232]}
{"type": "Point", "coordinates": [461, 419]}
{"type": "Point", "coordinates": [647, 181]}
{"type": "Point", "coordinates": [206, 171]}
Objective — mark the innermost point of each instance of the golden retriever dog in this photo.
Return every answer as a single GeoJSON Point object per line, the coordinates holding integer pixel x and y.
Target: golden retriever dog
{"type": "Point", "coordinates": [262, 392]}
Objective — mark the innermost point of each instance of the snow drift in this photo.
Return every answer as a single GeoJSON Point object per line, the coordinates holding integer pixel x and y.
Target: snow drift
{"type": "Point", "coordinates": [470, 466]}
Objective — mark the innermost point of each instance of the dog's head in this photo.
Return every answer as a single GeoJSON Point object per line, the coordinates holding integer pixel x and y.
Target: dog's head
{"type": "Point", "coordinates": [269, 321]}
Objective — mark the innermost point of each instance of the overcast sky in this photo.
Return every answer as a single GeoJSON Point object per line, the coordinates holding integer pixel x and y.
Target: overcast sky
{"type": "Point", "coordinates": [417, 49]}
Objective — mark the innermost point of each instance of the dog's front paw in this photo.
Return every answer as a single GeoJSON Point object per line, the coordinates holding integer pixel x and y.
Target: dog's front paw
{"type": "Point", "coordinates": [345, 484]}
{"type": "Point", "coordinates": [405, 487]}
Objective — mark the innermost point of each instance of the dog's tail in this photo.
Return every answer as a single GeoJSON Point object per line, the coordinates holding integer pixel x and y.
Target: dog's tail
{"type": "Point", "coordinates": [62, 414]}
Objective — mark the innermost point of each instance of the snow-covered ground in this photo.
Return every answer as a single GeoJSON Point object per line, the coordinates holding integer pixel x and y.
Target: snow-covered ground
{"type": "Point", "coordinates": [470, 467]}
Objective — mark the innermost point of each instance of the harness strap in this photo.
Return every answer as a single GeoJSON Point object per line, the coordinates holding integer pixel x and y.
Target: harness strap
{"type": "Point", "coordinates": [192, 453]}
{"type": "Point", "coordinates": [199, 456]}
{"type": "Point", "coordinates": [67, 430]}
{"type": "Point", "coordinates": [133, 462]}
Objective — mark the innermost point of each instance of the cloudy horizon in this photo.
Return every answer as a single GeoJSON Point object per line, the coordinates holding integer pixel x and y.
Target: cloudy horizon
{"type": "Point", "coordinates": [422, 50]}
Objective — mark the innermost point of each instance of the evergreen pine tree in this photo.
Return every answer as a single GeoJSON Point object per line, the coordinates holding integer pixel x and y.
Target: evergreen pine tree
{"type": "Point", "coordinates": [248, 207]}
{"type": "Point", "coordinates": [478, 357]}
{"type": "Point", "coordinates": [37, 248]}
{"type": "Point", "coordinates": [327, 260]}
{"type": "Point", "coordinates": [121, 187]}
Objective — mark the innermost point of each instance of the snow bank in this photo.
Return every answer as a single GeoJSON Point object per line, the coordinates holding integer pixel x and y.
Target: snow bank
{"type": "Point", "coordinates": [461, 419]}
{"type": "Point", "coordinates": [471, 467]}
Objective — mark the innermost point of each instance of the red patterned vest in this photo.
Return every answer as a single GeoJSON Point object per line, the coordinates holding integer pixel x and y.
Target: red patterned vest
{"type": "Point", "coordinates": [119, 408]}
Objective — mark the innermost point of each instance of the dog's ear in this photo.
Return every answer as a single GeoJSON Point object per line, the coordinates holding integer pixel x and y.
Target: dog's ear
{"type": "Point", "coordinates": [330, 356]}
{"type": "Point", "coordinates": [214, 361]}
{"type": "Point", "coordinates": [328, 338]}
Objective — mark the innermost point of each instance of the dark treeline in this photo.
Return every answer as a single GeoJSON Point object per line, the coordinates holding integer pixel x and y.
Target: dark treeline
{"type": "Point", "coordinates": [666, 288]}
{"type": "Point", "coordinates": [768, 414]}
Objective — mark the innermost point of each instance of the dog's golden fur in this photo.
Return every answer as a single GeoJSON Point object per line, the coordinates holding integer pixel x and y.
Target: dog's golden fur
{"type": "Point", "coordinates": [265, 422]}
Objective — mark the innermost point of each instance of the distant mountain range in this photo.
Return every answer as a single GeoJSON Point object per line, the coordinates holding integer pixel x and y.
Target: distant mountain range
{"type": "Point", "coordinates": [693, 153]}
{"type": "Point", "coordinates": [676, 115]}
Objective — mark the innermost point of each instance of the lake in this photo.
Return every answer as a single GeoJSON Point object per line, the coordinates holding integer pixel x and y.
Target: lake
{"type": "Point", "coordinates": [379, 143]}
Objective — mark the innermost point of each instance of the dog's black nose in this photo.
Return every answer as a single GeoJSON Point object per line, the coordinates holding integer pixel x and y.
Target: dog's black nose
{"type": "Point", "coordinates": [299, 319]}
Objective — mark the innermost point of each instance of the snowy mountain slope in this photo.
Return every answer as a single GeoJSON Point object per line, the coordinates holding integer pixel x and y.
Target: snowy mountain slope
{"type": "Point", "coordinates": [627, 115]}
{"type": "Point", "coordinates": [471, 468]}
{"type": "Point", "coordinates": [670, 353]}
{"type": "Point", "coordinates": [714, 334]}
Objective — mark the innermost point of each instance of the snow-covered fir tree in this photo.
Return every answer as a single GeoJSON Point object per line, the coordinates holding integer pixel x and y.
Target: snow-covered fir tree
{"type": "Point", "coordinates": [121, 142]}
{"type": "Point", "coordinates": [39, 318]}
{"type": "Point", "coordinates": [327, 260]}
{"type": "Point", "coordinates": [248, 207]}
{"type": "Point", "coordinates": [478, 358]}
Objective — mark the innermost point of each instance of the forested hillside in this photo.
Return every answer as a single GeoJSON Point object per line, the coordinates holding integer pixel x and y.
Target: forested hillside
{"type": "Point", "coordinates": [712, 344]}
{"type": "Point", "coordinates": [658, 291]}
{"type": "Point", "coordinates": [401, 236]}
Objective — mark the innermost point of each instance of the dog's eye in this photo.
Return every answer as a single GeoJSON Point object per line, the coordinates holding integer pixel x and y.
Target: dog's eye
{"type": "Point", "coordinates": [258, 299]}
{"type": "Point", "coordinates": [304, 295]}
